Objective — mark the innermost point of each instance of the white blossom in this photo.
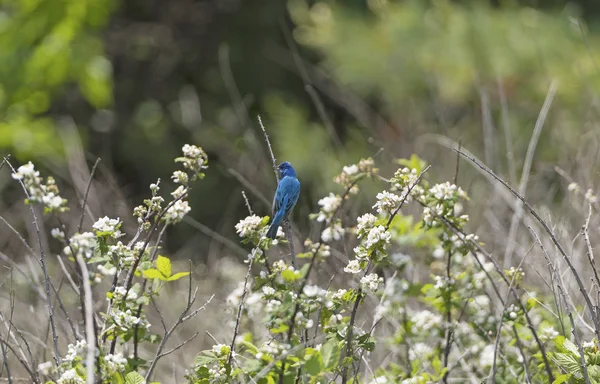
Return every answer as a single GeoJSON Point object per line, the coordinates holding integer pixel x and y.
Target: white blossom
{"type": "Point", "coordinates": [333, 232]}
{"type": "Point", "coordinates": [248, 225]}
{"type": "Point", "coordinates": [419, 351]}
{"type": "Point", "coordinates": [107, 271]}
{"type": "Point", "coordinates": [82, 244]}
{"type": "Point", "coordinates": [353, 267]}
{"type": "Point", "coordinates": [387, 202]}
{"type": "Point", "coordinates": [114, 363]}
{"type": "Point", "coordinates": [177, 211]}
{"type": "Point", "coordinates": [350, 169]}
{"type": "Point", "coordinates": [75, 350]}
{"type": "Point", "coordinates": [45, 368]}
{"type": "Point", "coordinates": [108, 226]}
{"type": "Point", "coordinates": [179, 192]}
{"type": "Point", "coordinates": [486, 357]}
{"type": "Point", "coordinates": [424, 321]}
{"type": "Point", "coordinates": [364, 223]}
{"type": "Point", "coordinates": [377, 236]}
{"type": "Point", "coordinates": [329, 205]}
{"type": "Point", "coordinates": [180, 177]}
{"type": "Point", "coordinates": [70, 377]}
{"type": "Point", "coordinates": [57, 234]}
{"type": "Point", "coordinates": [370, 283]}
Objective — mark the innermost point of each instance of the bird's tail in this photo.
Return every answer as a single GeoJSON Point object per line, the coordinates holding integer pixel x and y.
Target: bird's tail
{"type": "Point", "coordinates": [272, 232]}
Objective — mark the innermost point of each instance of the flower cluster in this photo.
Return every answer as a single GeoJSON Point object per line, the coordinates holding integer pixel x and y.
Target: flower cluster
{"type": "Point", "coordinates": [114, 363]}
{"type": "Point", "coordinates": [177, 211]}
{"type": "Point", "coordinates": [70, 376]}
{"type": "Point", "coordinates": [249, 225]}
{"type": "Point", "coordinates": [371, 282]}
{"type": "Point", "coordinates": [38, 191]}
{"type": "Point", "coordinates": [106, 227]}
{"type": "Point", "coordinates": [329, 206]}
{"type": "Point", "coordinates": [194, 160]}
{"type": "Point", "coordinates": [333, 232]}
{"type": "Point", "coordinates": [387, 203]}
{"type": "Point", "coordinates": [75, 350]}
{"type": "Point", "coordinates": [351, 174]}
{"type": "Point", "coordinates": [81, 244]}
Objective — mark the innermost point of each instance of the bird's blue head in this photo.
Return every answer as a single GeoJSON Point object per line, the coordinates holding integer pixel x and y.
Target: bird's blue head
{"type": "Point", "coordinates": [286, 169]}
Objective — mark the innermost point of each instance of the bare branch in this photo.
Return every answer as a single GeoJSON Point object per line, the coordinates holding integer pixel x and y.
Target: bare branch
{"type": "Point", "coordinates": [87, 191]}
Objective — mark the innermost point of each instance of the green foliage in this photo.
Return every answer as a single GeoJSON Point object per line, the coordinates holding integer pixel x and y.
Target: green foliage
{"type": "Point", "coordinates": [163, 271]}
{"type": "Point", "coordinates": [44, 46]}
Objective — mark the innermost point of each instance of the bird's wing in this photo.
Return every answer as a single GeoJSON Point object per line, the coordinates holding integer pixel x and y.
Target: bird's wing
{"type": "Point", "coordinates": [286, 194]}
{"type": "Point", "coordinates": [291, 192]}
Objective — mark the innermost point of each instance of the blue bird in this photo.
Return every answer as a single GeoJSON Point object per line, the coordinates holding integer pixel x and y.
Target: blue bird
{"type": "Point", "coordinates": [285, 198]}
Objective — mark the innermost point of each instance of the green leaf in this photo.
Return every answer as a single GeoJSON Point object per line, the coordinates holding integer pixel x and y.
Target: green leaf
{"type": "Point", "coordinates": [314, 364]}
{"type": "Point", "coordinates": [570, 347]}
{"type": "Point", "coordinates": [330, 352]}
{"type": "Point", "coordinates": [163, 264]}
{"type": "Point", "coordinates": [561, 379]}
{"type": "Point", "coordinates": [290, 275]}
{"type": "Point", "coordinates": [153, 273]}
{"type": "Point", "coordinates": [204, 359]}
{"type": "Point", "coordinates": [177, 276]}
{"type": "Point", "coordinates": [134, 378]}
{"type": "Point", "coordinates": [281, 329]}
{"type": "Point", "coordinates": [569, 363]}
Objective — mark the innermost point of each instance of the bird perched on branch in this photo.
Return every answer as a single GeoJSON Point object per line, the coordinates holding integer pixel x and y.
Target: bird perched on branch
{"type": "Point", "coordinates": [285, 198]}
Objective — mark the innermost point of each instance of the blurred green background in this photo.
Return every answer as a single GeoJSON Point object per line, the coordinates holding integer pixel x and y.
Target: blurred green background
{"type": "Point", "coordinates": [132, 81]}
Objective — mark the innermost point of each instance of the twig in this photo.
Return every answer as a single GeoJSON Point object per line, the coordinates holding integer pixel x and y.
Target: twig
{"type": "Point", "coordinates": [590, 251]}
{"type": "Point", "coordinates": [182, 319]}
{"type": "Point", "coordinates": [537, 130]}
{"type": "Point", "coordinates": [270, 149]}
{"type": "Point", "coordinates": [85, 196]}
{"type": "Point", "coordinates": [57, 358]}
{"type": "Point", "coordinates": [241, 305]}
{"type": "Point", "coordinates": [462, 235]}
{"type": "Point", "coordinates": [179, 346]}
{"type": "Point", "coordinates": [5, 361]}
{"type": "Point", "coordinates": [512, 173]}
{"type": "Point", "coordinates": [359, 293]}
{"type": "Point", "coordinates": [552, 236]}
{"type": "Point", "coordinates": [569, 313]}
{"type": "Point", "coordinates": [23, 363]}
{"type": "Point", "coordinates": [497, 342]}
{"type": "Point", "coordinates": [290, 239]}
{"type": "Point", "coordinates": [250, 186]}
{"type": "Point", "coordinates": [89, 319]}
{"type": "Point", "coordinates": [247, 202]}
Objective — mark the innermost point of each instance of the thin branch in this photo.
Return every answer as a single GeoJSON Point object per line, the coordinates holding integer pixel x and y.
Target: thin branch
{"type": "Point", "coordinates": [57, 358]}
{"type": "Point", "coordinates": [179, 346]}
{"type": "Point", "coordinates": [241, 305]}
{"type": "Point", "coordinates": [89, 319]}
{"type": "Point", "coordinates": [537, 130]}
{"type": "Point", "coordinates": [182, 319]}
{"type": "Point", "coordinates": [250, 186]}
{"type": "Point", "coordinates": [247, 202]}
{"type": "Point", "coordinates": [23, 363]}
{"type": "Point", "coordinates": [270, 149]}
{"type": "Point", "coordinates": [590, 251]}
{"type": "Point", "coordinates": [569, 313]}
{"type": "Point", "coordinates": [552, 236]}
{"type": "Point", "coordinates": [497, 342]}
{"type": "Point", "coordinates": [85, 196]}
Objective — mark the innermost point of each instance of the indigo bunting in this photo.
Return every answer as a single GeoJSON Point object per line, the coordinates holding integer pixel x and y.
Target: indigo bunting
{"type": "Point", "coordinates": [285, 198]}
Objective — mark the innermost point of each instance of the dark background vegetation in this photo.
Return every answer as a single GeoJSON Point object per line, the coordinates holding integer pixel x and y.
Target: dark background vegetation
{"type": "Point", "coordinates": [132, 81]}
